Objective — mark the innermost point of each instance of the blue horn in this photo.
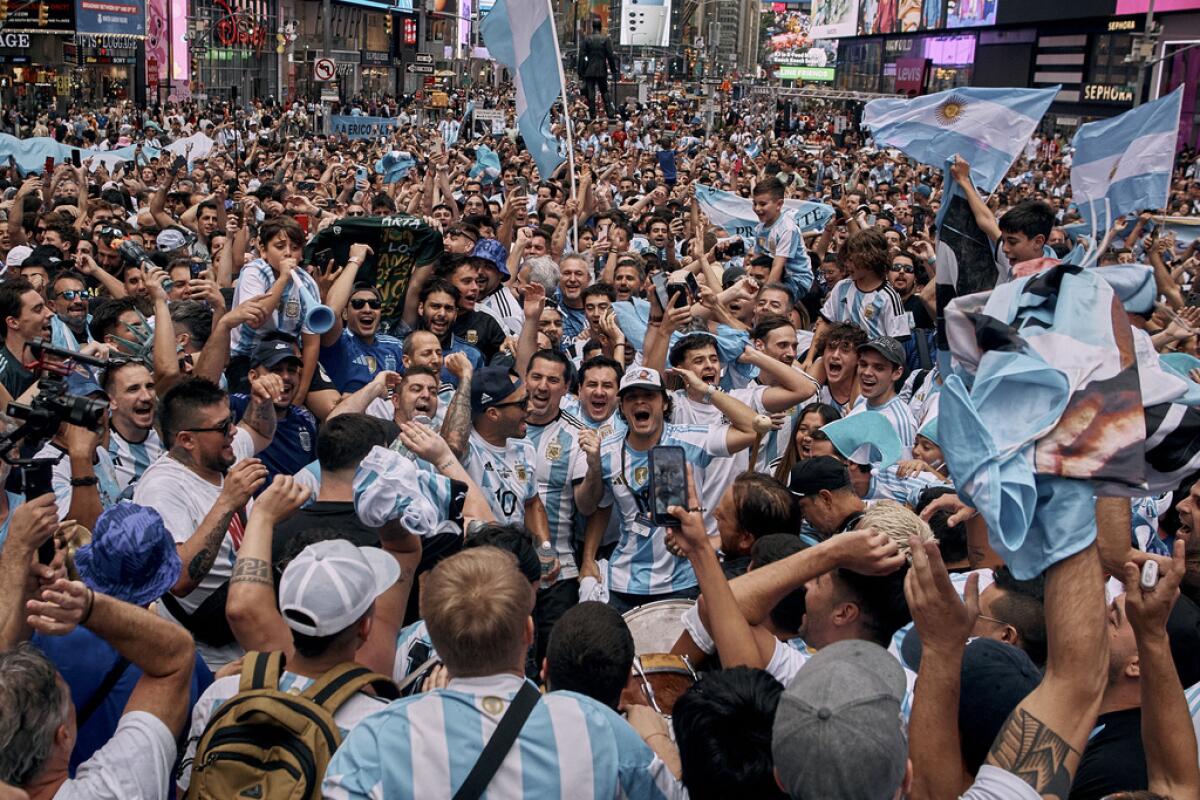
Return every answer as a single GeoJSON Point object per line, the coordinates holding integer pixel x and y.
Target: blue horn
{"type": "Point", "coordinates": [320, 317]}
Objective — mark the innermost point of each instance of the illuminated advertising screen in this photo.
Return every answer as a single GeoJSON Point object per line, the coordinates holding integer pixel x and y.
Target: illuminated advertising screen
{"type": "Point", "coordinates": [786, 41]}
{"type": "Point", "coordinates": [835, 19]}
{"type": "Point", "coordinates": [646, 23]}
{"type": "Point", "coordinates": [970, 13]}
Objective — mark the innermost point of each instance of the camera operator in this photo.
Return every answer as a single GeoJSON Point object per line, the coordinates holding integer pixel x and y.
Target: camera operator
{"type": "Point", "coordinates": [84, 479]}
{"type": "Point", "coordinates": [26, 316]}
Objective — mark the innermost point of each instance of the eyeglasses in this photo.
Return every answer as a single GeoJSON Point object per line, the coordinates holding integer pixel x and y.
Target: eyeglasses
{"type": "Point", "coordinates": [359, 303]}
{"type": "Point", "coordinates": [906, 268]}
{"type": "Point", "coordinates": [225, 427]}
{"type": "Point", "coordinates": [74, 294]}
{"type": "Point", "coordinates": [523, 403]}
{"type": "Point", "coordinates": [992, 619]}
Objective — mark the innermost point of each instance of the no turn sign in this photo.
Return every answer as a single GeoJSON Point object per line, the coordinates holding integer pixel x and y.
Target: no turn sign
{"type": "Point", "coordinates": [324, 69]}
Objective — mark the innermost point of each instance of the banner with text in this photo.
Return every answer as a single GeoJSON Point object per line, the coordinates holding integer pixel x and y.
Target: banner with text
{"type": "Point", "coordinates": [362, 127]}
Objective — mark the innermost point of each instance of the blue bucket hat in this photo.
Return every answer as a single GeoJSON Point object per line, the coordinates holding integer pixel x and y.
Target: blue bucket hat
{"type": "Point", "coordinates": [494, 253]}
{"type": "Point", "coordinates": [131, 557]}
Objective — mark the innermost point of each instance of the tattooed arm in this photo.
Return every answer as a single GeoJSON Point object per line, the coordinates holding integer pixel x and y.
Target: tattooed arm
{"type": "Point", "coordinates": [251, 608]}
{"type": "Point", "coordinates": [200, 551]}
{"type": "Point", "coordinates": [456, 428]}
{"type": "Point", "coordinates": [1043, 739]}
{"type": "Point", "coordinates": [259, 419]}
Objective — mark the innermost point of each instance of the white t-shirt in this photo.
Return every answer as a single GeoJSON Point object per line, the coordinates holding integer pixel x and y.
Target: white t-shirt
{"type": "Point", "coordinates": [135, 764]}
{"type": "Point", "coordinates": [183, 499]}
{"type": "Point", "coordinates": [993, 783]}
{"type": "Point", "coordinates": [352, 712]}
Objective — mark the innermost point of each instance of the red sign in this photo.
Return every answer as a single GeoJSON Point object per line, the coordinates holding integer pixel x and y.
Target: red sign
{"type": "Point", "coordinates": [410, 31]}
{"type": "Point", "coordinates": [238, 28]}
{"type": "Point", "coordinates": [152, 74]}
{"type": "Point", "coordinates": [910, 75]}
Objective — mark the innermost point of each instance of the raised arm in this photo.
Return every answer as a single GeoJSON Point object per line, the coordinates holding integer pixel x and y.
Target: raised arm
{"type": "Point", "coordinates": [252, 608]}
{"type": "Point", "coordinates": [791, 388]}
{"type": "Point", "coordinates": [1168, 736]}
{"type": "Point", "coordinates": [960, 171]}
{"type": "Point", "coordinates": [1044, 737]}
{"type": "Point", "coordinates": [199, 551]}
{"type": "Point", "coordinates": [339, 294]}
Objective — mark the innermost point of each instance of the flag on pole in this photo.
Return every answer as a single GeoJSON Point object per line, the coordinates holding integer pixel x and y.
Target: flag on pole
{"type": "Point", "coordinates": [1123, 165]}
{"type": "Point", "coordinates": [987, 127]}
{"type": "Point", "coordinates": [520, 35]}
{"type": "Point", "coordinates": [736, 214]}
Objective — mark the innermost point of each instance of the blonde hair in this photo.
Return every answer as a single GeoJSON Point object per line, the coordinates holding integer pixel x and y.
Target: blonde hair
{"type": "Point", "coordinates": [475, 605]}
{"type": "Point", "coordinates": [897, 521]}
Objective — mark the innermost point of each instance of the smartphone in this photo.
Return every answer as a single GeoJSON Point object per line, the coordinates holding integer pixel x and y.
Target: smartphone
{"type": "Point", "coordinates": [668, 483]}
{"type": "Point", "coordinates": [179, 163]}
{"type": "Point", "coordinates": [303, 220]}
{"type": "Point", "coordinates": [522, 186]}
{"type": "Point", "coordinates": [360, 174]}
{"type": "Point", "coordinates": [76, 161]}
{"type": "Point", "coordinates": [36, 478]}
{"type": "Point", "coordinates": [737, 247]}
{"type": "Point", "coordinates": [660, 286]}
{"type": "Point", "coordinates": [836, 191]}
{"type": "Point", "coordinates": [49, 164]}
{"type": "Point", "coordinates": [677, 294]}
{"type": "Point", "coordinates": [231, 186]}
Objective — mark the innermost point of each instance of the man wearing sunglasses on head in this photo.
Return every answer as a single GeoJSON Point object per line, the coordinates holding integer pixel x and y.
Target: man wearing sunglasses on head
{"type": "Point", "coordinates": [353, 351]}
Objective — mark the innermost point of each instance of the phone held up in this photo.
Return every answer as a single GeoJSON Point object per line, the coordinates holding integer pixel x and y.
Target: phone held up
{"type": "Point", "coordinates": [668, 483]}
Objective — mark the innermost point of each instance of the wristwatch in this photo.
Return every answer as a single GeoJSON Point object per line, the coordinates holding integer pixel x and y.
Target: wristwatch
{"type": "Point", "coordinates": [90, 480]}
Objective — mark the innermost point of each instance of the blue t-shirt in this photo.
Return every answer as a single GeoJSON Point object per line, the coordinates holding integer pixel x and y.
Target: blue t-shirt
{"type": "Point", "coordinates": [295, 442]}
{"type": "Point", "coordinates": [84, 660]}
{"type": "Point", "coordinates": [352, 361]}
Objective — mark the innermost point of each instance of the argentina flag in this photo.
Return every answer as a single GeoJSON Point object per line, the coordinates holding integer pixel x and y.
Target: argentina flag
{"type": "Point", "coordinates": [987, 127]}
{"type": "Point", "coordinates": [520, 35]}
{"type": "Point", "coordinates": [735, 213]}
{"type": "Point", "coordinates": [1123, 165]}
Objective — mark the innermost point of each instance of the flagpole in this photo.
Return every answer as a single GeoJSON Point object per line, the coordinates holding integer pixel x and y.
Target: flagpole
{"type": "Point", "coordinates": [562, 82]}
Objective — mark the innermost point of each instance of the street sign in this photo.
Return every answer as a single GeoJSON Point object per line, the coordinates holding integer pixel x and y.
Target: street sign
{"type": "Point", "coordinates": [324, 69]}
{"type": "Point", "coordinates": [424, 58]}
{"type": "Point", "coordinates": [419, 69]}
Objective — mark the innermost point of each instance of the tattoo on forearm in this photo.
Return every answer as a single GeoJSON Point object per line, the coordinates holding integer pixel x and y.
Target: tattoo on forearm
{"type": "Point", "coordinates": [252, 570]}
{"type": "Point", "coordinates": [262, 419]}
{"type": "Point", "coordinates": [1029, 749]}
{"type": "Point", "coordinates": [457, 427]}
{"type": "Point", "coordinates": [202, 562]}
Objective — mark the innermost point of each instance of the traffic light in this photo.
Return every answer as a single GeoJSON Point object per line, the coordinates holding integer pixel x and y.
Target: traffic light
{"type": "Point", "coordinates": [387, 23]}
{"type": "Point", "coordinates": [3, 10]}
{"type": "Point", "coordinates": [43, 14]}
{"type": "Point", "coordinates": [280, 43]}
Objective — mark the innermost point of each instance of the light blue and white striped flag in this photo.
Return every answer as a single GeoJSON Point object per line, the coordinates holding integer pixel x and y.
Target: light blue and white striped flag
{"type": "Point", "coordinates": [735, 213]}
{"type": "Point", "coordinates": [987, 127]}
{"type": "Point", "coordinates": [1123, 165]}
{"type": "Point", "coordinates": [520, 35]}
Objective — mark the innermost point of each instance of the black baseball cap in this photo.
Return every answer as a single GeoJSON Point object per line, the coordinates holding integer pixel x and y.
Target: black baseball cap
{"type": "Point", "coordinates": [811, 475]}
{"type": "Point", "coordinates": [272, 352]}
{"type": "Point", "coordinates": [887, 347]}
{"type": "Point", "coordinates": [490, 385]}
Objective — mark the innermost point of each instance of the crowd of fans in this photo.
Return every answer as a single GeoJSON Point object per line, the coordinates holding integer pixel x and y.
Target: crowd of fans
{"type": "Point", "coordinates": [376, 455]}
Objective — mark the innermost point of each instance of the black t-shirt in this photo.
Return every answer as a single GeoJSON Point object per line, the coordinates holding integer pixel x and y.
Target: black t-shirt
{"type": "Point", "coordinates": [13, 375]}
{"type": "Point", "coordinates": [1114, 759]}
{"type": "Point", "coordinates": [337, 514]}
{"type": "Point", "coordinates": [480, 330]}
{"type": "Point", "coordinates": [920, 314]}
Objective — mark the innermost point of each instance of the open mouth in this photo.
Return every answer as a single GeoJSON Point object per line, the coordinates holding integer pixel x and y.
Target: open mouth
{"type": "Point", "coordinates": [641, 415]}
{"type": "Point", "coordinates": [867, 381]}
{"type": "Point", "coordinates": [423, 407]}
{"type": "Point", "coordinates": [597, 406]}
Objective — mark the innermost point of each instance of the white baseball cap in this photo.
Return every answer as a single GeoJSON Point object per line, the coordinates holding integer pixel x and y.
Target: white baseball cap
{"type": "Point", "coordinates": [331, 584]}
{"type": "Point", "coordinates": [641, 378]}
{"type": "Point", "coordinates": [17, 255]}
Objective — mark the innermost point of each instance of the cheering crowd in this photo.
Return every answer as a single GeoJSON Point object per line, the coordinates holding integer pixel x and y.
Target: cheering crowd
{"type": "Point", "coordinates": [370, 483]}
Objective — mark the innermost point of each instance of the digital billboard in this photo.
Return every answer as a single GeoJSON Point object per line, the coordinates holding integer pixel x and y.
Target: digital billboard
{"type": "Point", "coordinates": [646, 23]}
{"type": "Point", "coordinates": [970, 13]}
{"type": "Point", "coordinates": [835, 19]}
{"type": "Point", "coordinates": [786, 41]}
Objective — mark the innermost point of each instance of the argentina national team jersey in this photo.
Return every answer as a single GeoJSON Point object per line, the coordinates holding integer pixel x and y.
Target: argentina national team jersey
{"type": "Point", "coordinates": [784, 238]}
{"type": "Point", "coordinates": [897, 413]}
{"type": "Point", "coordinates": [641, 564]}
{"type": "Point", "coordinates": [605, 427]}
{"type": "Point", "coordinates": [130, 459]}
{"type": "Point", "coordinates": [352, 361]}
{"type": "Point", "coordinates": [572, 747]}
{"type": "Point", "coordinates": [504, 474]}
{"type": "Point", "coordinates": [886, 484]}
{"type": "Point", "coordinates": [290, 315]}
{"type": "Point", "coordinates": [413, 648]}
{"type": "Point", "coordinates": [560, 463]}
{"type": "Point", "coordinates": [879, 312]}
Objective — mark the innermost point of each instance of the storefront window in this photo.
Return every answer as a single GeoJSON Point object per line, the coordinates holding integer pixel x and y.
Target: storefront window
{"type": "Point", "coordinates": [859, 65]}
{"type": "Point", "coordinates": [1108, 59]}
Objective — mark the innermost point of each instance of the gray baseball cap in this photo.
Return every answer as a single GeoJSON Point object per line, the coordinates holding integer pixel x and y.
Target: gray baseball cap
{"type": "Point", "coordinates": [837, 728]}
{"type": "Point", "coordinates": [887, 347]}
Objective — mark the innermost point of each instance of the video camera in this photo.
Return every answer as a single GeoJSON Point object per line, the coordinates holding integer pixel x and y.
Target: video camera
{"type": "Point", "coordinates": [52, 406]}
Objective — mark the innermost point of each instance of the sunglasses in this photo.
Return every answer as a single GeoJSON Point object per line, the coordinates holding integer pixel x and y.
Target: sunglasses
{"type": "Point", "coordinates": [359, 303]}
{"type": "Point", "coordinates": [906, 268]}
{"type": "Point", "coordinates": [523, 403]}
{"type": "Point", "coordinates": [74, 294]}
{"type": "Point", "coordinates": [225, 427]}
